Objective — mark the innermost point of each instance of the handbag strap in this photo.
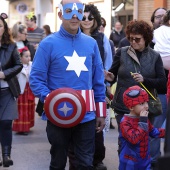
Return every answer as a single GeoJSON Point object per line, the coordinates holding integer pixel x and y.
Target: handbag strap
{"type": "Point", "coordinates": [144, 86]}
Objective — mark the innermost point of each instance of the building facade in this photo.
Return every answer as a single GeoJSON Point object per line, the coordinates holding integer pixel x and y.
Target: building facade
{"type": "Point", "coordinates": [112, 10]}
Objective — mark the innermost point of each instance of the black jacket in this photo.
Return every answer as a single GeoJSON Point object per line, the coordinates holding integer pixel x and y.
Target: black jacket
{"type": "Point", "coordinates": [116, 37]}
{"type": "Point", "coordinates": [98, 36]}
{"type": "Point", "coordinates": [126, 61]}
{"type": "Point", "coordinates": [11, 66]}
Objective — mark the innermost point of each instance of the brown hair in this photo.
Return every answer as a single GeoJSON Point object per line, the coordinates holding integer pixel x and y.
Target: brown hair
{"type": "Point", "coordinates": [103, 22]}
{"type": "Point", "coordinates": [140, 27]}
{"type": "Point", "coordinates": [6, 37]}
{"type": "Point", "coordinates": [47, 29]}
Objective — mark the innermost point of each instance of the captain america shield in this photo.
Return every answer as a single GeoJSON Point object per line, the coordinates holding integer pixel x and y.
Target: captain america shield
{"type": "Point", "coordinates": [65, 107]}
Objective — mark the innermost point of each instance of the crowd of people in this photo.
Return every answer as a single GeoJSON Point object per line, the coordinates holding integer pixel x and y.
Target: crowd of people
{"type": "Point", "coordinates": [80, 65]}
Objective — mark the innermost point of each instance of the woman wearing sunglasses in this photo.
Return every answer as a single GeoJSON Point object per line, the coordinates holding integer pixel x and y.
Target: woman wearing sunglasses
{"type": "Point", "coordinates": [89, 25]}
{"type": "Point", "coordinates": [139, 59]}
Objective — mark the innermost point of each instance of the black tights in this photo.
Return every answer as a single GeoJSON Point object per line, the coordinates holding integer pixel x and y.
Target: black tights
{"type": "Point", "coordinates": [6, 132]}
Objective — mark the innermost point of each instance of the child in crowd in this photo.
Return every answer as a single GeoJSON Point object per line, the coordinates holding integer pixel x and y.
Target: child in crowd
{"type": "Point", "coordinates": [135, 129]}
{"type": "Point", "coordinates": [26, 102]}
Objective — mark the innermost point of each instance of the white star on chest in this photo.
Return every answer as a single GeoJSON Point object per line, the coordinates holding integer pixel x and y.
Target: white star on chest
{"type": "Point", "coordinates": [76, 63]}
{"type": "Point", "coordinates": [65, 109]}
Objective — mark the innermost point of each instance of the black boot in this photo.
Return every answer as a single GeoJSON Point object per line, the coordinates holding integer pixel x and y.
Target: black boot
{"type": "Point", "coordinates": [6, 152]}
{"type": "Point", "coordinates": [0, 162]}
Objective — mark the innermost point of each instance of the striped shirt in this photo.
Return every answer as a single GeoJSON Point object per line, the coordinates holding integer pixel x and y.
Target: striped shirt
{"type": "Point", "coordinates": [34, 37]}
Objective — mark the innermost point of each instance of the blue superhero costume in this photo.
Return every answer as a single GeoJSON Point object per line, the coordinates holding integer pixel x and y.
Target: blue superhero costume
{"type": "Point", "coordinates": [134, 138]}
{"type": "Point", "coordinates": [78, 67]}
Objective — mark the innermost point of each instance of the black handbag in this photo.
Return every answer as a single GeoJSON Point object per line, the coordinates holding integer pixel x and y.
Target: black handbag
{"type": "Point", "coordinates": [155, 106]}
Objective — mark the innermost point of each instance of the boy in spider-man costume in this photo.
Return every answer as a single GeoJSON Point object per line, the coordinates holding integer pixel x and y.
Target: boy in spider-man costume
{"type": "Point", "coordinates": [135, 129]}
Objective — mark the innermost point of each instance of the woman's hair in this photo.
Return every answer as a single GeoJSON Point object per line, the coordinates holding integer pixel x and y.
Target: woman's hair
{"type": "Point", "coordinates": [153, 14]}
{"type": "Point", "coordinates": [103, 22]}
{"type": "Point", "coordinates": [140, 27]}
{"type": "Point", "coordinates": [6, 37]}
{"type": "Point", "coordinates": [17, 28]}
{"type": "Point", "coordinates": [166, 18]}
{"type": "Point", "coordinates": [47, 29]}
{"type": "Point", "coordinates": [96, 14]}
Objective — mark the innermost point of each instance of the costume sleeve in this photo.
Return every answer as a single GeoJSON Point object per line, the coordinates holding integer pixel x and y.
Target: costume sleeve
{"type": "Point", "coordinates": [98, 84]}
{"type": "Point", "coordinates": [38, 75]}
{"type": "Point", "coordinates": [132, 134]}
{"type": "Point", "coordinates": [156, 132]}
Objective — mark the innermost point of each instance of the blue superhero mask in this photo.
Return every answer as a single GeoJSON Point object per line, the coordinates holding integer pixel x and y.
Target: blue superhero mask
{"type": "Point", "coordinates": [70, 9]}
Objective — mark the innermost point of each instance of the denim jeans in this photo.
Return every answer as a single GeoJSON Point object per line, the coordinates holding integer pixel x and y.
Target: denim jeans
{"type": "Point", "coordinates": [118, 120]}
{"type": "Point", "coordinates": [81, 137]}
{"type": "Point", "coordinates": [158, 122]}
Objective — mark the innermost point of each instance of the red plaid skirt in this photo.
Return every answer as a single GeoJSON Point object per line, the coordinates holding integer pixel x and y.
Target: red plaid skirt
{"type": "Point", "coordinates": [26, 110]}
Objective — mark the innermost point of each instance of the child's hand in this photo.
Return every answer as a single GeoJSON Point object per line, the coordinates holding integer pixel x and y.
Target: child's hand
{"type": "Point", "coordinates": [144, 113]}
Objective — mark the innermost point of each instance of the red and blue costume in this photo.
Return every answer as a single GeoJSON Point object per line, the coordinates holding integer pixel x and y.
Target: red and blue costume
{"type": "Point", "coordinates": [134, 137]}
{"type": "Point", "coordinates": [134, 134]}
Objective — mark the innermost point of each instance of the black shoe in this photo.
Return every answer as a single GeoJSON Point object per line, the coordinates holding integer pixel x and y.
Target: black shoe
{"type": "Point", "coordinates": [100, 166]}
{"type": "Point", "coordinates": [111, 126]}
{"type": "Point", "coordinates": [22, 133]}
{"type": "Point", "coordinates": [6, 152]}
{"type": "Point", "coordinates": [7, 161]}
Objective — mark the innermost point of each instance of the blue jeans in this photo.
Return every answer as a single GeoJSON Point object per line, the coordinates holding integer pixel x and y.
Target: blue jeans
{"type": "Point", "coordinates": [82, 138]}
{"type": "Point", "coordinates": [158, 122]}
{"type": "Point", "coordinates": [118, 120]}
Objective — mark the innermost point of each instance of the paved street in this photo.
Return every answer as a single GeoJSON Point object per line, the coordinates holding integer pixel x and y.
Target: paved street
{"type": "Point", "coordinates": [32, 152]}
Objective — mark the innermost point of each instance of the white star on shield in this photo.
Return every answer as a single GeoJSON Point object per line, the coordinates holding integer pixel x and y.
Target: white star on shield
{"type": "Point", "coordinates": [65, 109]}
{"type": "Point", "coordinates": [76, 63]}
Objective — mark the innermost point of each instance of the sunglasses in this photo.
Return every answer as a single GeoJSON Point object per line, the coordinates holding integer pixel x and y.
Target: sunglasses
{"type": "Point", "coordinates": [137, 40]}
{"type": "Point", "coordinates": [90, 18]}
{"type": "Point", "coordinates": [133, 93]}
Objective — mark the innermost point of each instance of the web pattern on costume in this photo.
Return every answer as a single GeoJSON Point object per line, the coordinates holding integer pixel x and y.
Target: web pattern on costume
{"type": "Point", "coordinates": [133, 133]}
{"type": "Point", "coordinates": [130, 101]}
{"type": "Point", "coordinates": [134, 139]}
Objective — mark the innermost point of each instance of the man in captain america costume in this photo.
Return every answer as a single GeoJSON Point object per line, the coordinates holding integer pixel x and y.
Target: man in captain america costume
{"type": "Point", "coordinates": [135, 129]}
{"type": "Point", "coordinates": [69, 58]}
